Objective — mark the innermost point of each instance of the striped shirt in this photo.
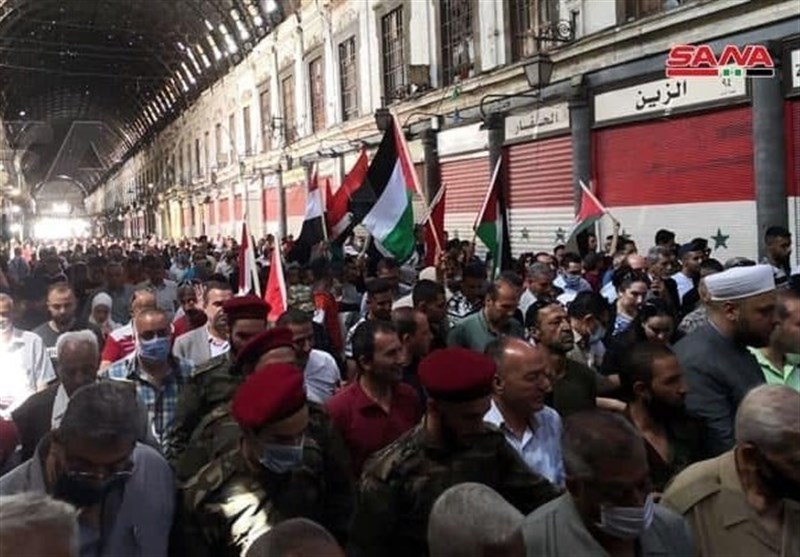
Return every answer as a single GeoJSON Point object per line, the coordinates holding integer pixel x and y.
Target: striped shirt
{"type": "Point", "coordinates": [160, 402]}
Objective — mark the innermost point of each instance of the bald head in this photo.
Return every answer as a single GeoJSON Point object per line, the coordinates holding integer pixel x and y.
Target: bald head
{"type": "Point", "coordinates": [523, 375]}
{"type": "Point", "coordinates": [636, 262]}
{"type": "Point", "coordinates": [142, 300]}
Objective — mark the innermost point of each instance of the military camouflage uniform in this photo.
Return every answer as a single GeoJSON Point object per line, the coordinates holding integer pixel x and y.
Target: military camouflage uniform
{"type": "Point", "coordinates": [210, 385]}
{"type": "Point", "coordinates": [228, 503]}
{"type": "Point", "coordinates": [401, 483]}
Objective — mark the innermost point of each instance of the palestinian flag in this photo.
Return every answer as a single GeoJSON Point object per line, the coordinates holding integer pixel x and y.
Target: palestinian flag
{"type": "Point", "coordinates": [589, 213]}
{"type": "Point", "coordinates": [248, 271]}
{"type": "Point", "coordinates": [337, 205]}
{"type": "Point", "coordinates": [491, 225]}
{"type": "Point", "coordinates": [383, 202]}
{"type": "Point", "coordinates": [313, 231]}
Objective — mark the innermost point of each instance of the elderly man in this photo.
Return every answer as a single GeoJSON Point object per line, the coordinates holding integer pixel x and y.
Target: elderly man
{"type": "Point", "coordinates": [78, 358]}
{"type": "Point", "coordinates": [719, 369]}
{"type": "Point", "coordinates": [121, 342]}
{"type": "Point", "coordinates": [124, 490]}
{"type": "Point", "coordinates": [523, 383]}
{"type": "Point", "coordinates": [451, 445]}
{"type": "Point", "coordinates": [608, 508]}
{"type": "Point", "coordinates": [473, 520]}
{"type": "Point", "coordinates": [202, 344]}
{"type": "Point", "coordinates": [495, 319]}
{"type": "Point", "coordinates": [540, 277]}
{"type": "Point", "coordinates": [35, 524]}
{"type": "Point", "coordinates": [25, 365]}
{"type": "Point", "coordinates": [747, 501]}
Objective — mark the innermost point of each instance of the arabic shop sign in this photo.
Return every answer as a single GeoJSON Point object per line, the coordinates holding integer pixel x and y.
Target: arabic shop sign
{"type": "Point", "coordinates": [538, 121]}
{"type": "Point", "coordinates": [665, 95]}
{"type": "Point", "coordinates": [795, 68]}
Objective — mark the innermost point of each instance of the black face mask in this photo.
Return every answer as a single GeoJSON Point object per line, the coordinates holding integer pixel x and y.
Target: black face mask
{"type": "Point", "coordinates": [777, 484]}
{"type": "Point", "coordinates": [82, 493]}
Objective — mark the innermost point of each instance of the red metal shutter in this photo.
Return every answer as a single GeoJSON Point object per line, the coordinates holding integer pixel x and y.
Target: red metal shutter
{"type": "Point", "coordinates": [237, 208]}
{"type": "Point", "coordinates": [224, 211]}
{"type": "Point", "coordinates": [691, 159]}
{"type": "Point", "coordinates": [211, 210]}
{"type": "Point", "coordinates": [466, 181]}
{"type": "Point", "coordinates": [792, 147]}
{"type": "Point", "coordinates": [541, 197]}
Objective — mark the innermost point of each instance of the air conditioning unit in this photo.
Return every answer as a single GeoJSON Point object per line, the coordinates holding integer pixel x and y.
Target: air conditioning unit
{"type": "Point", "coordinates": [419, 77]}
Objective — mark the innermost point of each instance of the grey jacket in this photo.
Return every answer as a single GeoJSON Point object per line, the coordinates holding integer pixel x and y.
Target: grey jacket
{"type": "Point", "coordinates": [193, 346]}
{"type": "Point", "coordinates": [136, 520]}
{"type": "Point", "coordinates": [557, 530]}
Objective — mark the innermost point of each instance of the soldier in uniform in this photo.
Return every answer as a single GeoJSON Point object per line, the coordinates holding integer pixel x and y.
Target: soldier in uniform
{"type": "Point", "coordinates": [214, 382]}
{"type": "Point", "coordinates": [276, 473]}
{"type": "Point", "coordinates": [451, 445]}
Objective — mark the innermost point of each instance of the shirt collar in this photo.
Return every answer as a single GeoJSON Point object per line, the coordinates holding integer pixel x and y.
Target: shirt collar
{"type": "Point", "coordinates": [495, 416]}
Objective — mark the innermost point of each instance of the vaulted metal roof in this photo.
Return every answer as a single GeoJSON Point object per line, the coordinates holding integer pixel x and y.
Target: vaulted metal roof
{"type": "Point", "coordinates": [83, 83]}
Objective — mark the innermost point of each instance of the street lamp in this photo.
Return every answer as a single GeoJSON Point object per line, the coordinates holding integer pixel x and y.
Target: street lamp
{"type": "Point", "coordinates": [539, 70]}
{"type": "Point", "coordinates": [383, 119]}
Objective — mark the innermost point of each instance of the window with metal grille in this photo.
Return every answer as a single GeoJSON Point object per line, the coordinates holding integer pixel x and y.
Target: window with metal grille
{"type": "Point", "coordinates": [348, 76]}
{"type": "Point", "coordinates": [233, 151]}
{"type": "Point", "coordinates": [266, 120]}
{"type": "Point", "coordinates": [181, 175]}
{"type": "Point", "coordinates": [206, 150]}
{"type": "Point", "coordinates": [189, 160]}
{"type": "Point", "coordinates": [636, 9]}
{"type": "Point", "coordinates": [287, 94]}
{"type": "Point", "coordinates": [531, 19]}
{"type": "Point", "coordinates": [317, 90]}
{"type": "Point", "coordinates": [218, 143]}
{"type": "Point", "coordinates": [394, 56]}
{"type": "Point", "coordinates": [197, 161]}
{"type": "Point", "coordinates": [458, 40]}
{"type": "Point", "coordinates": [248, 132]}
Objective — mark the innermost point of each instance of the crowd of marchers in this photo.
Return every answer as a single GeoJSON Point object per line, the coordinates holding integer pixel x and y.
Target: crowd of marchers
{"type": "Point", "coordinates": [608, 402]}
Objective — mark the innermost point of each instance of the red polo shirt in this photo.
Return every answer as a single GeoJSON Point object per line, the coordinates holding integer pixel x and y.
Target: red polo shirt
{"type": "Point", "coordinates": [365, 426]}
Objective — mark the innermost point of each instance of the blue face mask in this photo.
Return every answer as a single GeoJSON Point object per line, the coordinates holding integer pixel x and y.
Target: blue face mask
{"type": "Point", "coordinates": [281, 459]}
{"type": "Point", "coordinates": [627, 523]}
{"type": "Point", "coordinates": [572, 281]}
{"type": "Point", "coordinates": [155, 350]}
{"type": "Point", "coordinates": [597, 335]}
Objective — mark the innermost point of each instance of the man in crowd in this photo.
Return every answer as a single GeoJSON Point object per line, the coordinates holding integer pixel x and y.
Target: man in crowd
{"type": "Point", "coordinates": [747, 500]}
{"type": "Point", "coordinates": [588, 317]}
{"type": "Point", "coordinates": [379, 307]}
{"type": "Point", "coordinates": [158, 376]}
{"type": "Point", "coordinates": [325, 304]}
{"type": "Point", "coordinates": [518, 409]}
{"type": "Point", "coordinates": [666, 239]}
{"type": "Point", "coordinates": [539, 286]}
{"type": "Point", "coordinates": [377, 407]}
{"type": "Point", "coordinates": [76, 366]}
{"type": "Point", "coordinates": [322, 376]}
{"type": "Point", "coordinates": [654, 386]}
{"type": "Point", "coordinates": [119, 291]}
{"type": "Point", "coordinates": [36, 524]}
{"type": "Point", "coordinates": [609, 507]}
{"type": "Point", "coordinates": [451, 445]}
{"type": "Point", "coordinates": [699, 315]}
{"type": "Point", "coordinates": [570, 280]}
{"type": "Point", "coordinates": [429, 298]}
{"type": "Point", "coordinates": [415, 337]}
{"type": "Point", "coordinates": [123, 490]}
{"type": "Point", "coordinates": [779, 249]}
{"type": "Point", "coordinates": [719, 369]}
{"type": "Point", "coordinates": [26, 367]}
{"type": "Point", "coordinates": [121, 342]}
{"type": "Point", "coordinates": [278, 464]}
{"type": "Point", "coordinates": [473, 520]}
{"type": "Point", "coordinates": [780, 359]}
{"type": "Point", "coordinates": [469, 297]}
{"type": "Point", "coordinates": [495, 319]}
{"type": "Point", "coordinates": [690, 256]}
{"type": "Point", "coordinates": [574, 384]}
{"type": "Point", "coordinates": [207, 342]}
{"type": "Point", "coordinates": [165, 290]}
{"type": "Point", "coordinates": [188, 302]}
{"type": "Point", "coordinates": [62, 306]}
{"type": "Point", "coordinates": [214, 382]}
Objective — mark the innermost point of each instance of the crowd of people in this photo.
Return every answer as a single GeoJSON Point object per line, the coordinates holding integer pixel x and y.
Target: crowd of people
{"type": "Point", "coordinates": [607, 402]}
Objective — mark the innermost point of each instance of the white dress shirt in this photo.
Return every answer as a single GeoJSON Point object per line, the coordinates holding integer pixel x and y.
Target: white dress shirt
{"type": "Point", "coordinates": [322, 376]}
{"type": "Point", "coordinates": [59, 406]}
{"type": "Point", "coordinates": [217, 346]}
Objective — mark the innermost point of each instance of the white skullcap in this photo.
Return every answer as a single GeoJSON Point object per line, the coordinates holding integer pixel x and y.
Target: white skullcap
{"type": "Point", "coordinates": [428, 273]}
{"type": "Point", "coordinates": [102, 299]}
{"type": "Point", "coordinates": [740, 282]}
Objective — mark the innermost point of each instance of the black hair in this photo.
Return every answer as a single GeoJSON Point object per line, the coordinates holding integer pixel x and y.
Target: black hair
{"type": "Point", "coordinates": [474, 270]}
{"type": "Point", "coordinates": [378, 286]}
{"type": "Point", "coordinates": [774, 232]}
{"type": "Point", "coordinates": [215, 285]}
{"type": "Point", "coordinates": [404, 319]}
{"type": "Point", "coordinates": [101, 413]}
{"type": "Point", "coordinates": [532, 315]}
{"type": "Point", "coordinates": [294, 316]}
{"type": "Point", "coordinates": [711, 265]}
{"type": "Point", "coordinates": [426, 291]}
{"type": "Point", "coordinates": [387, 263]}
{"type": "Point", "coordinates": [364, 338]}
{"type": "Point", "coordinates": [664, 236]}
{"type": "Point", "coordinates": [587, 303]}
{"type": "Point", "coordinates": [623, 277]}
{"type": "Point", "coordinates": [638, 365]}
{"type": "Point", "coordinates": [570, 257]}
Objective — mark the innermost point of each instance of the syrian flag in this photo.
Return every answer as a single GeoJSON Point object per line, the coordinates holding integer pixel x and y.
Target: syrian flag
{"type": "Point", "coordinates": [275, 295]}
{"type": "Point", "coordinates": [589, 212]}
{"type": "Point", "coordinates": [337, 205]}
{"type": "Point", "coordinates": [248, 271]}
{"type": "Point", "coordinates": [434, 228]}
{"type": "Point", "coordinates": [383, 202]}
{"type": "Point", "coordinates": [313, 231]}
{"type": "Point", "coordinates": [491, 225]}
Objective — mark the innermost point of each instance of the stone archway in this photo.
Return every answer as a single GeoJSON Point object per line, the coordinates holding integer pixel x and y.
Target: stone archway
{"type": "Point", "coordinates": [61, 196]}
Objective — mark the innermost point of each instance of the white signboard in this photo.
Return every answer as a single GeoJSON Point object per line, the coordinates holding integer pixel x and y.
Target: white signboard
{"type": "Point", "coordinates": [665, 95]}
{"type": "Point", "coordinates": [540, 120]}
{"type": "Point", "coordinates": [465, 139]}
{"type": "Point", "coordinates": [795, 69]}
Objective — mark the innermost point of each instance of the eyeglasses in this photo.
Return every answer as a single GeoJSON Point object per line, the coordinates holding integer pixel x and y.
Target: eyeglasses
{"type": "Point", "coordinates": [150, 335]}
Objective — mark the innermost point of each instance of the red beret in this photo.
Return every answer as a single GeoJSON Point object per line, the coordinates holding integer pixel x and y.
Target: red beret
{"type": "Point", "coordinates": [457, 375]}
{"type": "Point", "coordinates": [264, 342]}
{"type": "Point", "coordinates": [245, 307]}
{"type": "Point", "coordinates": [270, 394]}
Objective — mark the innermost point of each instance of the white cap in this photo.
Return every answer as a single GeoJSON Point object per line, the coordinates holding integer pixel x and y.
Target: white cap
{"type": "Point", "coordinates": [740, 282]}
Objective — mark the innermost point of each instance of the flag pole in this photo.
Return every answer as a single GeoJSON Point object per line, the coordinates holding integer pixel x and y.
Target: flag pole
{"type": "Point", "coordinates": [429, 213]}
{"type": "Point", "coordinates": [588, 191]}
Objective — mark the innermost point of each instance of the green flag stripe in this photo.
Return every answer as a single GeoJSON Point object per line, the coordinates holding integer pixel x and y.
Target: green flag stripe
{"type": "Point", "coordinates": [400, 241]}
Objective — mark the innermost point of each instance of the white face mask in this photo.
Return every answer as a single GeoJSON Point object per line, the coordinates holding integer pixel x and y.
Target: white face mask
{"type": "Point", "coordinates": [626, 523]}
